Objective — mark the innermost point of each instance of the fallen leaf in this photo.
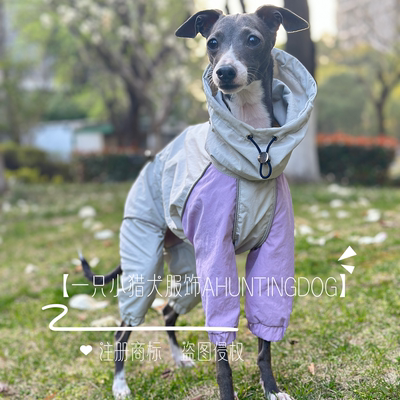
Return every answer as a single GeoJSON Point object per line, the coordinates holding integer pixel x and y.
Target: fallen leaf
{"type": "Point", "coordinates": [317, 241]}
{"type": "Point", "coordinates": [109, 320]}
{"type": "Point", "coordinates": [362, 201]}
{"type": "Point", "coordinates": [87, 223]}
{"type": "Point", "coordinates": [166, 373]}
{"type": "Point", "coordinates": [340, 190]}
{"type": "Point", "coordinates": [341, 214]}
{"type": "Point", "coordinates": [104, 235]}
{"type": "Point", "coordinates": [30, 268]}
{"type": "Point", "coordinates": [373, 215]}
{"type": "Point", "coordinates": [94, 262]}
{"type": "Point", "coordinates": [78, 268]}
{"type": "Point", "coordinates": [336, 203]}
{"type": "Point", "coordinates": [378, 238]}
{"type": "Point", "coordinates": [96, 226]}
{"type": "Point", "coordinates": [86, 302]}
{"type": "Point", "coordinates": [5, 389]}
{"type": "Point", "coordinates": [311, 368]}
{"type": "Point", "coordinates": [305, 230]}
{"type": "Point", "coordinates": [87, 212]}
{"type": "Point", "coordinates": [323, 214]}
{"type": "Point", "coordinates": [158, 304]}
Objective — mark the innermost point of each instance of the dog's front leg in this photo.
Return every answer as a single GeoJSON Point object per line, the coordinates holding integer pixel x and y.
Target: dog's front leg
{"type": "Point", "coordinates": [267, 377]}
{"type": "Point", "coordinates": [224, 374]}
{"type": "Point", "coordinates": [120, 387]}
{"type": "Point", "coordinates": [264, 363]}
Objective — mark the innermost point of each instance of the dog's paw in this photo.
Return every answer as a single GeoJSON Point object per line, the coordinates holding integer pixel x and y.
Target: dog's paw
{"type": "Point", "coordinates": [184, 362]}
{"type": "Point", "coordinates": [121, 390]}
{"type": "Point", "coordinates": [279, 396]}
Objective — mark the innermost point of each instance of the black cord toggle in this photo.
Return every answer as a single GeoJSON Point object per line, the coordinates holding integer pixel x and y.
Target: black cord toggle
{"type": "Point", "coordinates": [263, 156]}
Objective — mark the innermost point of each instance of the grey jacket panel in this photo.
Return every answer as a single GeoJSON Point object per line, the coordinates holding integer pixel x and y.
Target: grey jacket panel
{"type": "Point", "coordinates": [158, 196]}
{"type": "Point", "coordinates": [223, 142]}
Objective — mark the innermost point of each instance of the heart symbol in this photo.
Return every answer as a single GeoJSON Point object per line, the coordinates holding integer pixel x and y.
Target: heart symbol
{"type": "Point", "coordinates": [86, 349]}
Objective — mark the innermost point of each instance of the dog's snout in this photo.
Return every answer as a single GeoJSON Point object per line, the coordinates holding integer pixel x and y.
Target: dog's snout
{"type": "Point", "coordinates": [226, 73]}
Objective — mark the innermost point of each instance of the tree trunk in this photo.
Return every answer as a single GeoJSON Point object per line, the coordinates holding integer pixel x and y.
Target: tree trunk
{"type": "Point", "coordinates": [379, 106]}
{"type": "Point", "coordinates": [303, 165]}
{"type": "Point", "coordinates": [3, 185]}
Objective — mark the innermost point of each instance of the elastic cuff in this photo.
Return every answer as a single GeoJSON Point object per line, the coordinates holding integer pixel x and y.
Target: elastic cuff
{"type": "Point", "coordinates": [270, 333]}
{"type": "Point", "coordinates": [132, 321]}
{"type": "Point", "coordinates": [222, 337]}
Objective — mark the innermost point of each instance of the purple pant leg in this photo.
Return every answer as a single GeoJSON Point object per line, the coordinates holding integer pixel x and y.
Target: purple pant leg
{"type": "Point", "coordinates": [208, 223]}
{"type": "Point", "coordinates": [268, 308]}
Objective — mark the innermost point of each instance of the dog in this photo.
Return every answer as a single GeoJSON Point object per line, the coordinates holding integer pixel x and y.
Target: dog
{"type": "Point", "coordinates": [213, 192]}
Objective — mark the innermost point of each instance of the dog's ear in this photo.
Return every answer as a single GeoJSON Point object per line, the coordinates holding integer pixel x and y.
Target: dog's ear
{"type": "Point", "coordinates": [202, 22]}
{"type": "Point", "coordinates": [274, 16]}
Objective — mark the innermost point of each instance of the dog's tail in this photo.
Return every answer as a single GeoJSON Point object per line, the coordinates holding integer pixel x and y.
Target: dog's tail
{"type": "Point", "coordinates": [99, 280]}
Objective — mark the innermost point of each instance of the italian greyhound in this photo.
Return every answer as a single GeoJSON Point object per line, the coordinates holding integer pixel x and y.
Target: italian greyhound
{"type": "Point", "coordinates": [239, 50]}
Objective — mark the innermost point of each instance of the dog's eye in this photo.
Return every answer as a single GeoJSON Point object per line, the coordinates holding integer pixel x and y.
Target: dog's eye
{"type": "Point", "coordinates": [212, 44]}
{"type": "Point", "coordinates": [253, 41]}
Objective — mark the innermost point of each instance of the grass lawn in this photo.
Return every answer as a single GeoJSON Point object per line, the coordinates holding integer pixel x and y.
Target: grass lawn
{"type": "Point", "coordinates": [334, 348]}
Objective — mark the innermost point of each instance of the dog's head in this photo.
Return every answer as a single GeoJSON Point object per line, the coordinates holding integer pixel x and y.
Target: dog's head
{"type": "Point", "coordinates": [239, 46]}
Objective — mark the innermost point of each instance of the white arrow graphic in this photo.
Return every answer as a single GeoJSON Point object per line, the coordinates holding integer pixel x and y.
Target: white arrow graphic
{"type": "Point", "coordinates": [348, 268]}
{"type": "Point", "coordinates": [347, 254]}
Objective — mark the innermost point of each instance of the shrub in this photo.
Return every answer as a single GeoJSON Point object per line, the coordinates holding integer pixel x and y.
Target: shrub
{"type": "Point", "coordinates": [108, 167]}
{"type": "Point", "coordinates": [356, 160]}
{"type": "Point", "coordinates": [20, 159]}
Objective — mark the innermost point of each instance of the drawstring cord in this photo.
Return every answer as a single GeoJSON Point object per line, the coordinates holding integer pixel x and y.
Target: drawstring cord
{"type": "Point", "coordinates": [263, 156]}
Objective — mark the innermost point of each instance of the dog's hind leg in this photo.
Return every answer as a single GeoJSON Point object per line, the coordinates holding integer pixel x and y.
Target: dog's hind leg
{"type": "Point", "coordinates": [224, 375]}
{"type": "Point", "coordinates": [183, 295]}
{"type": "Point", "coordinates": [120, 388]}
{"type": "Point", "coordinates": [170, 317]}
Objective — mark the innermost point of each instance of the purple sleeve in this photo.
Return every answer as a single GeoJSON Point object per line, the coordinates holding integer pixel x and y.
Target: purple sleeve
{"type": "Point", "coordinates": [208, 223]}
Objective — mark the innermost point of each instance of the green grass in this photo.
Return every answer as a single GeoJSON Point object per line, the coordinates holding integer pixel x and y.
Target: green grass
{"type": "Point", "coordinates": [353, 342]}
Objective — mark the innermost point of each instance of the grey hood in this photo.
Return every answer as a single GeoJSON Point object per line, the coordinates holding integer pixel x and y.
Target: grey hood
{"type": "Point", "coordinates": [293, 94]}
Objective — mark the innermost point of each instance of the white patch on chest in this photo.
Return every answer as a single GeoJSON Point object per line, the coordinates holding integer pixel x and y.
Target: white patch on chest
{"type": "Point", "coordinates": [248, 106]}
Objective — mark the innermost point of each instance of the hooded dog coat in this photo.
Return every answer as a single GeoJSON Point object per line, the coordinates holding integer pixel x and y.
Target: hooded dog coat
{"type": "Point", "coordinates": [206, 187]}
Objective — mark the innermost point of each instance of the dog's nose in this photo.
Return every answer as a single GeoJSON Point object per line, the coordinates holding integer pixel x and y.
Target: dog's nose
{"type": "Point", "coordinates": [226, 73]}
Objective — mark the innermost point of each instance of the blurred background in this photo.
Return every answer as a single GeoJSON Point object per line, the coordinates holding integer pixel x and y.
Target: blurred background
{"type": "Point", "coordinates": [87, 89]}
{"type": "Point", "coordinates": [86, 86]}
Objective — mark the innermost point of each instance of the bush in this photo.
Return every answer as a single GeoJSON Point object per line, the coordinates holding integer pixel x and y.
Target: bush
{"type": "Point", "coordinates": [108, 167]}
{"type": "Point", "coordinates": [25, 162]}
{"type": "Point", "coordinates": [356, 163]}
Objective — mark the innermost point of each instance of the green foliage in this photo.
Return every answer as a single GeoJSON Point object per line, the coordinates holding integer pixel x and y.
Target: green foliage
{"type": "Point", "coordinates": [24, 175]}
{"type": "Point", "coordinates": [356, 164]}
{"type": "Point", "coordinates": [341, 101]}
{"type": "Point", "coordinates": [63, 106]}
{"type": "Point", "coordinates": [114, 59]}
{"type": "Point", "coordinates": [29, 164]}
{"type": "Point", "coordinates": [108, 167]}
{"type": "Point", "coordinates": [358, 89]}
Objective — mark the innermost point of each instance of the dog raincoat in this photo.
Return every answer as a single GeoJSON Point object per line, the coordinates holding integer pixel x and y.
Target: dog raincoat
{"type": "Point", "coordinates": [219, 187]}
